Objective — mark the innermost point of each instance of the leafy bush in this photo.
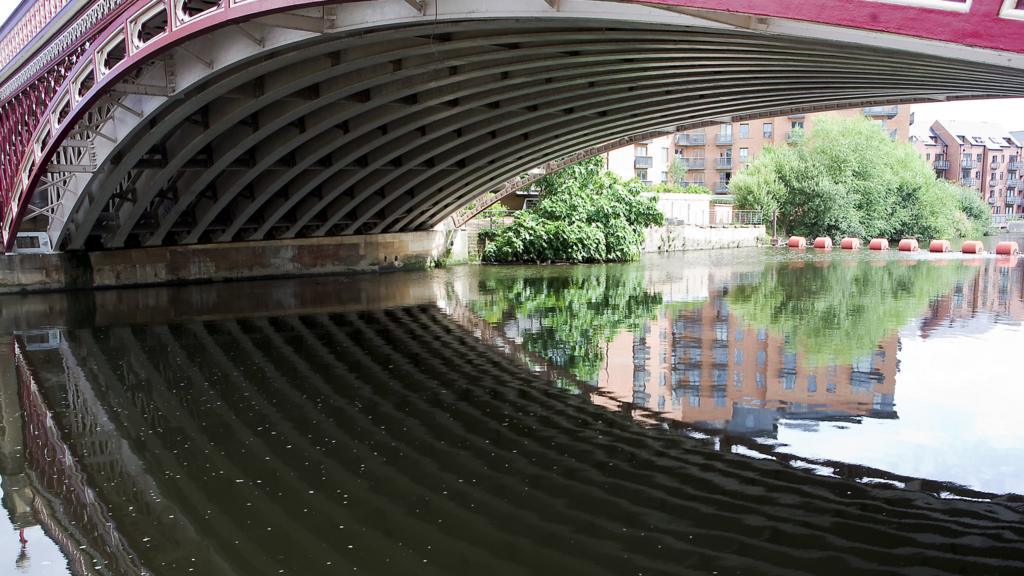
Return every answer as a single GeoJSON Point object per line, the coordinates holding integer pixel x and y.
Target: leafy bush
{"type": "Point", "coordinates": [585, 214]}
{"type": "Point", "coordinates": [670, 188]}
{"type": "Point", "coordinates": [848, 178]}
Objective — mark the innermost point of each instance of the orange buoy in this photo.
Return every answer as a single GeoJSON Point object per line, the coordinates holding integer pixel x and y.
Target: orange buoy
{"type": "Point", "coordinates": [850, 243]}
{"type": "Point", "coordinates": [823, 243]}
{"type": "Point", "coordinates": [909, 245]}
{"type": "Point", "coordinates": [938, 246]}
{"type": "Point", "coordinates": [878, 244]}
{"type": "Point", "coordinates": [973, 247]}
{"type": "Point", "coordinates": [1007, 248]}
{"type": "Point", "coordinates": [797, 242]}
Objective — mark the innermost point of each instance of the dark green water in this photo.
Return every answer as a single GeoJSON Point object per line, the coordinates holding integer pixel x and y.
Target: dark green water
{"type": "Point", "coordinates": [734, 412]}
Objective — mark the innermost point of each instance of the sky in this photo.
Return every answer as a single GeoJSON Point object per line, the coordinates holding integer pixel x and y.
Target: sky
{"type": "Point", "coordinates": [1007, 113]}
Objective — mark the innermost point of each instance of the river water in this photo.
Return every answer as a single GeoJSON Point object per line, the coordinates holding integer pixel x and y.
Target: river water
{"type": "Point", "coordinates": [760, 411]}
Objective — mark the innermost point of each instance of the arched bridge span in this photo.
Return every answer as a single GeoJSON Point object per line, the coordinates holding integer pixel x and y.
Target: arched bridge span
{"type": "Point", "coordinates": [166, 122]}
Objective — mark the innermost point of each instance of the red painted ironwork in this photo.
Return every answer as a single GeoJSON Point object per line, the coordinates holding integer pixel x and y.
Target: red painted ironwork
{"type": "Point", "coordinates": [35, 18]}
{"type": "Point", "coordinates": [992, 24]}
{"type": "Point", "coordinates": [30, 130]}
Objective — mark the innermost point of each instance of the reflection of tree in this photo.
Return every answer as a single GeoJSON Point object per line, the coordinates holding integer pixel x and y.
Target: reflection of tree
{"type": "Point", "coordinates": [840, 310]}
{"type": "Point", "coordinates": [567, 315]}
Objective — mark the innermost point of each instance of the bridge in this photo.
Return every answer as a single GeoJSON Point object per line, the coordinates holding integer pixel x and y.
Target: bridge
{"type": "Point", "coordinates": [145, 123]}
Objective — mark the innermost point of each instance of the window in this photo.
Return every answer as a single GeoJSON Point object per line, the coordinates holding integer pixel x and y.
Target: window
{"type": "Point", "coordinates": [744, 154]}
{"type": "Point", "coordinates": [928, 156]}
{"type": "Point", "coordinates": [725, 129]}
{"type": "Point", "coordinates": [796, 124]}
{"type": "Point", "coordinates": [812, 383]}
{"type": "Point", "coordinates": [979, 157]}
{"type": "Point", "coordinates": [789, 381]}
{"type": "Point", "coordinates": [738, 356]}
{"type": "Point", "coordinates": [641, 150]}
{"type": "Point", "coordinates": [664, 176]}
{"type": "Point", "coordinates": [767, 128]}
{"type": "Point", "coordinates": [761, 358]}
{"type": "Point", "coordinates": [641, 175]}
{"type": "Point", "coordinates": [744, 130]}
{"type": "Point", "coordinates": [664, 154]}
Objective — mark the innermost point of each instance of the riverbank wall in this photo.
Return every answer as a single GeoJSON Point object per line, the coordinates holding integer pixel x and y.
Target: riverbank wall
{"type": "Point", "coordinates": [235, 261]}
{"type": "Point", "coordinates": [693, 237]}
{"type": "Point", "coordinates": [289, 258]}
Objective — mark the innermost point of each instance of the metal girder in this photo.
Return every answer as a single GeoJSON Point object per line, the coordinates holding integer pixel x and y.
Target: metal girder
{"type": "Point", "coordinates": [387, 129]}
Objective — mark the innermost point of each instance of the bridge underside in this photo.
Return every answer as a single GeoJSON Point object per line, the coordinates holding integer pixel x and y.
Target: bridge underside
{"type": "Point", "coordinates": [269, 129]}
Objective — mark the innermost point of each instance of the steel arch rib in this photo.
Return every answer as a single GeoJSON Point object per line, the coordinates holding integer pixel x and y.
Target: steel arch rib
{"type": "Point", "coordinates": [123, 232]}
{"type": "Point", "coordinates": [407, 196]}
{"type": "Point", "coordinates": [601, 131]}
{"type": "Point", "coordinates": [239, 184]}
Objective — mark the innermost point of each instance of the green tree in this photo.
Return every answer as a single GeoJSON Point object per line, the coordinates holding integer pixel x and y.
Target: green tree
{"type": "Point", "coordinates": [848, 178]}
{"type": "Point", "coordinates": [677, 172]}
{"type": "Point", "coordinates": [585, 214]}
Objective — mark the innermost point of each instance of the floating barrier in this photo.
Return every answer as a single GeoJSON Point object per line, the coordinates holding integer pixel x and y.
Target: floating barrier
{"type": "Point", "coordinates": [797, 242]}
{"type": "Point", "coordinates": [909, 245]}
{"type": "Point", "coordinates": [878, 244]}
{"type": "Point", "coordinates": [1007, 248]}
{"type": "Point", "coordinates": [850, 244]}
{"type": "Point", "coordinates": [973, 247]}
{"type": "Point", "coordinates": [938, 246]}
{"type": "Point", "coordinates": [823, 243]}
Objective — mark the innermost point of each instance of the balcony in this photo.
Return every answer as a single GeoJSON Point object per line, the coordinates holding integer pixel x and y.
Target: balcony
{"type": "Point", "coordinates": [694, 183]}
{"type": "Point", "coordinates": [723, 139]}
{"type": "Point", "coordinates": [692, 163]}
{"type": "Point", "coordinates": [723, 163]}
{"type": "Point", "coordinates": [969, 182]}
{"type": "Point", "coordinates": [721, 188]}
{"type": "Point", "coordinates": [994, 165]}
{"type": "Point", "coordinates": [697, 139]}
{"type": "Point", "coordinates": [941, 164]}
{"type": "Point", "coordinates": [968, 163]}
{"type": "Point", "coordinates": [1014, 183]}
{"type": "Point", "coordinates": [643, 162]}
{"type": "Point", "coordinates": [993, 183]}
{"type": "Point", "coordinates": [992, 200]}
{"type": "Point", "coordinates": [793, 135]}
{"type": "Point", "coordinates": [1016, 165]}
{"type": "Point", "coordinates": [769, 135]}
{"type": "Point", "coordinates": [1015, 200]}
{"type": "Point", "coordinates": [882, 111]}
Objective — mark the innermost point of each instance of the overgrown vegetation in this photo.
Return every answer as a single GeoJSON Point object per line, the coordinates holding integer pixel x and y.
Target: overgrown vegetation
{"type": "Point", "coordinates": [848, 178]}
{"type": "Point", "coordinates": [670, 188]}
{"type": "Point", "coordinates": [585, 214]}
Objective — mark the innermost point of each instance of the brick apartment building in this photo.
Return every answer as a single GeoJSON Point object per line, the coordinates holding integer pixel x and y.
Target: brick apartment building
{"type": "Point", "coordinates": [713, 155]}
{"type": "Point", "coordinates": [978, 155]}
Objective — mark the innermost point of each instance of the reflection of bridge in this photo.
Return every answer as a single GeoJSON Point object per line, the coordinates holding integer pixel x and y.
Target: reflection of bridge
{"type": "Point", "coordinates": [376, 422]}
{"type": "Point", "coordinates": [167, 122]}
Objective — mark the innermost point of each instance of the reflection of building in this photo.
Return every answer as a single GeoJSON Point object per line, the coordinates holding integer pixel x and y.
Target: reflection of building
{"type": "Point", "coordinates": [997, 290]}
{"type": "Point", "coordinates": [707, 367]}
